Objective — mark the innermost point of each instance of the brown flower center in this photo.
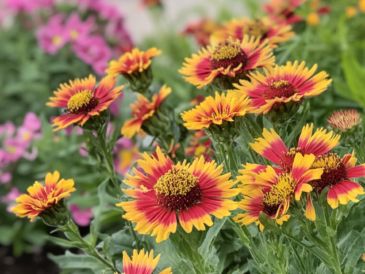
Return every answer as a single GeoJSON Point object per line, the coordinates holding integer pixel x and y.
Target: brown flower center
{"type": "Point", "coordinates": [334, 171]}
{"type": "Point", "coordinates": [177, 189]}
{"type": "Point", "coordinates": [82, 101]}
{"type": "Point", "coordinates": [279, 89]}
{"type": "Point", "coordinates": [279, 193]}
{"type": "Point", "coordinates": [228, 53]}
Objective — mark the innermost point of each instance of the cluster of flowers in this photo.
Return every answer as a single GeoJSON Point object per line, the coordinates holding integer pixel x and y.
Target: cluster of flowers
{"type": "Point", "coordinates": [95, 30]}
{"type": "Point", "coordinates": [162, 193]}
{"type": "Point", "coordinates": [16, 144]}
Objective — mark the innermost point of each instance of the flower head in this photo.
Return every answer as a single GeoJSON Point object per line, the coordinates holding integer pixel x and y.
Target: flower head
{"type": "Point", "coordinates": [81, 216]}
{"type": "Point", "coordinates": [142, 110]}
{"type": "Point", "coordinates": [344, 120]}
{"type": "Point", "coordinates": [270, 191]}
{"type": "Point", "coordinates": [263, 28]}
{"type": "Point", "coordinates": [337, 177]}
{"type": "Point", "coordinates": [135, 61]}
{"type": "Point", "coordinates": [78, 29]}
{"type": "Point", "coordinates": [201, 30]}
{"type": "Point", "coordinates": [94, 51]}
{"type": "Point", "coordinates": [215, 111]}
{"type": "Point", "coordinates": [283, 11]}
{"type": "Point", "coordinates": [53, 36]}
{"type": "Point", "coordinates": [200, 145]}
{"type": "Point", "coordinates": [272, 147]}
{"type": "Point", "coordinates": [40, 197]}
{"type": "Point", "coordinates": [163, 192]}
{"type": "Point", "coordinates": [230, 58]}
{"type": "Point", "coordinates": [126, 154]}
{"type": "Point", "coordinates": [83, 99]}
{"type": "Point", "coordinates": [142, 263]}
{"type": "Point", "coordinates": [282, 84]}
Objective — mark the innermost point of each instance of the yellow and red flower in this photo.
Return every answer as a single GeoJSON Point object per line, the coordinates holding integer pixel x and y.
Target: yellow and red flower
{"type": "Point", "coordinates": [82, 99]}
{"type": "Point", "coordinates": [230, 58]}
{"type": "Point", "coordinates": [282, 84]}
{"type": "Point", "coordinates": [263, 28]}
{"type": "Point", "coordinates": [142, 110]}
{"type": "Point", "coordinates": [142, 263]}
{"type": "Point", "coordinates": [270, 191]}
{"type": "Point", "coordinates": [272, 147]}
{"type": "Point", "coordinates": [215, 111]}
{"type": "Point", "coordinates": [337, 177]}
{"type": "Point", "coordinates": [42, 197]}
{"type": "Point", "coordinates": [163, 192]}
{"type": "Point", "coordinates": [201, 30]}
{"type": "Point", "coordinates": [344, 120]}
{"type": "Point", "coordinates": [200, 145]}
{"type": "Point", "coordinates": [283, 11]}
{"type": "Point", "coordinates": [134, 61]}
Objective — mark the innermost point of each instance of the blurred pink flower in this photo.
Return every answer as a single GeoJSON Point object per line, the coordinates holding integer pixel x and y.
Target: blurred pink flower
{"type": "Point", "coordinates": [9, 199]}
{"type": "Point", "coordinates": [5, 177]}
{"type": "Point", "coordinates": [83, 151]}
{"type": "Point", "coordinates": [7, 129]}
{"type": "Point", "coordinates": [115, 106]}
{"type": "Point", "coordinates": [78, 29]}
{"type": "Point", "coordinates": [53, 36]}
{"type": "Point", "coordinates": [81, 216]}
{"type": "Point", "coordinates": [28, 5]}
{"type": "Point", "coordinates": [94, 50]}
{"type": "Point", "coordinates": [32, 122]}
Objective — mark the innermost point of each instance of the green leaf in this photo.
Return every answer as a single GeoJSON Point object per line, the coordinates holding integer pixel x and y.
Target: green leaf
{"type": "Point", "coordinates": [206, 246]}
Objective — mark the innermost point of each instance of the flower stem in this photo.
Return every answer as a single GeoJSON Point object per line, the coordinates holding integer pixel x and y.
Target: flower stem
{"type": "Point", "coordinates": [72, 233]}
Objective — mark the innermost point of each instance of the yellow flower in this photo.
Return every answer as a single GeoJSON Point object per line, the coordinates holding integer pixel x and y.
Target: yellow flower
{"type": "Point", "coordinates": [313, 19]}
{"type": "Point", "coordinates": [215, 111]}
{"type": "Point", "coordinates": [42, 197]}
{"type": "Point", "coordinates": [135, 61]}
{"type": "Point", "coordinates": [142, 263]}
{"type": "Point", "coordinates": [361, 5]}
{"type": "Point", "coordinates": [351, 11]}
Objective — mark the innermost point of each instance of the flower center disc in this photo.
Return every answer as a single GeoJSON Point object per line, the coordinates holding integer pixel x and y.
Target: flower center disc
{"type": "Point", "coordinates": [177, 189]}
{"type": "Point", "coordinates": [82, 101]}
{"type": "Point", "coordinates": [278, 193]}
{"type": "Point", "coordinates": [228, 53]}
{"type": "Point", "coordinates": [334, 170]}
{"type": "Point", "coordinates": [257, 29]}
{"type": "Point", "coordinates": [280, 89]}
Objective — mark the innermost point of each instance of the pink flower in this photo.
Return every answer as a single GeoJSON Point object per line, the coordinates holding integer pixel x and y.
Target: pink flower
{"type": "Point", "coordinates": [94, 50]}
{"type": "Point", "coordinates": [115, 106]}
{"type": "Point", "coordinates": [53, 35]}
{"type": "Point", "coordinates": [81, 216]}
{"type": "Point", "coordinates": [10, 198]}
{"type": "Point", "coordinates": [83, 151]}
{"type": "Point", "coordinates": [117, 31]}
{"type": "Point", "coordinates": [7, 129]}
{"type": "Point", "coordinates": [5, 177]}
{"type": "Point", "coordinates": [32, 122]}
{"type": "Point", "coordinates": [78, 29]}
{"type": "Point", "coordinates": [28, 5]}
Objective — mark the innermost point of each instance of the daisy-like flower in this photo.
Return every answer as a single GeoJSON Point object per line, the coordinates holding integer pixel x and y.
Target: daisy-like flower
{"type": "Point", "coordinates": [200, 145]}
{"type": "Point", "coordinates": [263, 28]}
{"type": "Point", "coordinates": [344, 120]}
{"type": "Point", "coordinates": [142, 263]}
{"type": "Point", "coordinates": [230, 58]}
{"type": "Point", "coordinates": [283, 11]}
{"type": "Point", "coordinates": [132, 62]}
{"type": "Point", "coordinates": [215, 111]}
{"type": "Point", "coordinates": [272, 147]}
{"type": "Point", "coordinates": [142, 110]}
{"type": "Point", "coordinates": [82, 99]}
{"type": "Point", "coordinates": [163, 192]}
{"type": "Point", "coordinates": [41, 198]}
{"type": "Point", "coordinates": [337, 177]}
{"type": "Point", "coordinates": [282, 84]}
{"type": "Point", "coordinates": [270, 191]}
{"type": "Point", "coordinates": [201, 30]}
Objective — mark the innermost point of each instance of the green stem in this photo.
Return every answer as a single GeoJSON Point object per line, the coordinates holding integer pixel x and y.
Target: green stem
{"type": "Point", "coordinates": [72, 232]}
